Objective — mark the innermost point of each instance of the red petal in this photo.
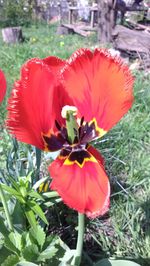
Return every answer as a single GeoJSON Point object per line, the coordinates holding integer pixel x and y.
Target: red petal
{"type": "Point", "coordinates": [100, 86]}
{"type": "Point", "coordinates": [2, 86]}
{"type": "Point", "coordinates": [34, 104]}
{"type": "Point", "coordinates": [85, 189]}
{"type": "Point", "coordinates": [55, 63]}
{"type": "Point", "coordinates": [96, 154]}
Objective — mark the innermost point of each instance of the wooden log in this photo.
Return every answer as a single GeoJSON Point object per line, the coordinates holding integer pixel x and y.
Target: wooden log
{"type": "Point", "coordinates": [62, 30]}
{"type": "Point", "coordinates": [136, 8]}
{"type": "Point", "coordinates": [86, 27]}
{"type": "Point", "coordinates": [73, 29]}
{"type": "Point", "coordinates": [81, 32]}
{"type": "Point", "coordinates": [138, 26]}
{"type": "Point", "coordinates": [131, 40]}
{"type": "Point", "coordinates": [12, 35]}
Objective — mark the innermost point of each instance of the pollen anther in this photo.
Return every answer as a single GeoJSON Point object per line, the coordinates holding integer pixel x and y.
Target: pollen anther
{"type": "Point", "coordinates": [68, 108]}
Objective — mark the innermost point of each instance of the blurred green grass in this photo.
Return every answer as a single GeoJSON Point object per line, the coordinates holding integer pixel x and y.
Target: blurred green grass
{"type": "Point", "coordinates": [126, 148]}
{"type": "Point", "coordinates": [40, 41]}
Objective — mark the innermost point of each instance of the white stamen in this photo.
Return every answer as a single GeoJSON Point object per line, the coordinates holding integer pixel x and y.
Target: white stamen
{"type": "Point", "coordinates": [67, 108]}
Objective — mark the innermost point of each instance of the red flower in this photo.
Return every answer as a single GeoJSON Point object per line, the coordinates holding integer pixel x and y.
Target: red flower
{"type": "Point", "coordinates": [99, 88]}
{"type": "Point", "coordinates": [2, 86]}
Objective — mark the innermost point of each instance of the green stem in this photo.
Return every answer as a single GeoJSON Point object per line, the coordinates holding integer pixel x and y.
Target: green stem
{"type": "Point", "coordinates": [2, 196]}
{"type": "Point", "coordinates": [79, 246]}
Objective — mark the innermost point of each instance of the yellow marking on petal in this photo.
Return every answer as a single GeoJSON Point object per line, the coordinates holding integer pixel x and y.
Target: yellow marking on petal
{"type": "Point", "coordinates": [101, 131]}
{"type": "Point", "coordinates": [46, 149]}
{"type": "Point", "coordinates": [61, 157]}
{"type": "Point", "coordinates": [45, 145]}
{"type": "Point", "coordinates": [48, 134]}
{"type": "Point", "coordinates": [91, 159]}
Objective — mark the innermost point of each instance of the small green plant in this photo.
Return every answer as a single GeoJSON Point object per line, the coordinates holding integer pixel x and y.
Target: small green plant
{"type": "Point", "coordinates": [23, 235]}
{"type": "Point", "coordinates": [28, 246]}
{"type": "Point", "coordinates": [16, 13]}
{"type": "Point", "coordinates": [27, 198]}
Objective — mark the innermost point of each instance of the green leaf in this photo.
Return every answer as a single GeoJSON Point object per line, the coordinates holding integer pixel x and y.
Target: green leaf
{"type": "Point", "coordinates": [109, 262]}
{"type": "Point", "coordinates": [10, 190]}
{"type": "Point", "coordinates": [49, 252]}
{"type": "Point", "coordinates": [30, 253]}
{"type": "Point", "coordinates": [26, 263]}
{"type": "Point", "coordinates": [23, 191]}
{"type": "Point", "coordinates": [34, 194]}
{"type": "Point", "coordinates": [51, 194]}
{"type": "Point", "coordinates": [13, 192]}
{"type": "Point", "coordinates": [10, 245]}
{"type": "Point", "coordinates": [49, 204]}
{"type": "Point", "coordinates": [54, 251]}
{"type": "Point", "coordinates": [38, 234]}
{"type": "Point", "coordinates": [26, 240]}
{"type": "Point", "coordinates": [52, 202]}
{"type": "Point", "coordinates": [15, 238]}
{"type": "Point", "coordinates": [37, 209]}
{"type": "Point", "coordinates": [18, 216]}
{"type": "Point", "coordinates": [38, 163]}
{"type": "Point", "coordinates": [4, 253]}
{"type": "Point", "coordinates": [3, 228]}
{"type": "Point", "coordinates": [13, 183]}
{"type": "Point", "coordinates": [38, 158]}
{"type": "Point", "coordinates": [11, 260]}
{"type": "Point", "coordinates": [68, 257]}
{"type": "Point", "coordinates": [31, 217]}
{"type": "Point", "coordinates": [49, 248]}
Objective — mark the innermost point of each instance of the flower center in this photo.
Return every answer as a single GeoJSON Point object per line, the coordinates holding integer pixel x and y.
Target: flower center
{"type": "Point", "coordinates": [73, 138]}
{"type": "Point", "coordinates": [69, 113]}
{"type": "Point", "coordinates": [82, 133]}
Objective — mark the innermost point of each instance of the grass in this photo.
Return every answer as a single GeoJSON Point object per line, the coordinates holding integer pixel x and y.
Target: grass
{"type": "Point", "coordinates": [125, 231]}
{"type": "Point", "coordinates": [126, 149]}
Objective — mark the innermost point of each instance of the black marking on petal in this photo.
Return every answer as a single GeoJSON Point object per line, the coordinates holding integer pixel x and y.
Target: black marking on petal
{"type": "Point", "coordinates": [88, 133]}
{"type": "Point", "coordinates": [76, 139]}
{"type": "Point", "coordinates": [79, 132]}
{"type": "Point", "coordinates": [54, 143]}
{"type": "Point", "coordinates": [57, 125]}
{"type": "Point", "coordinates": [82, 120]}
{"type": "Point", "coordinates": [66, 151]}
{"type": "Point", "coordinates": [64, 133]}
{"type": "Point", "coordinates": [79, 156]}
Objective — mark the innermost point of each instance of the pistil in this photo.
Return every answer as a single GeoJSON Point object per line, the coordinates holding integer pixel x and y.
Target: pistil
{"type": "Point", "coordinates": [72, 126]}
{"type": "Point", "coordinates": [69, 113]}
